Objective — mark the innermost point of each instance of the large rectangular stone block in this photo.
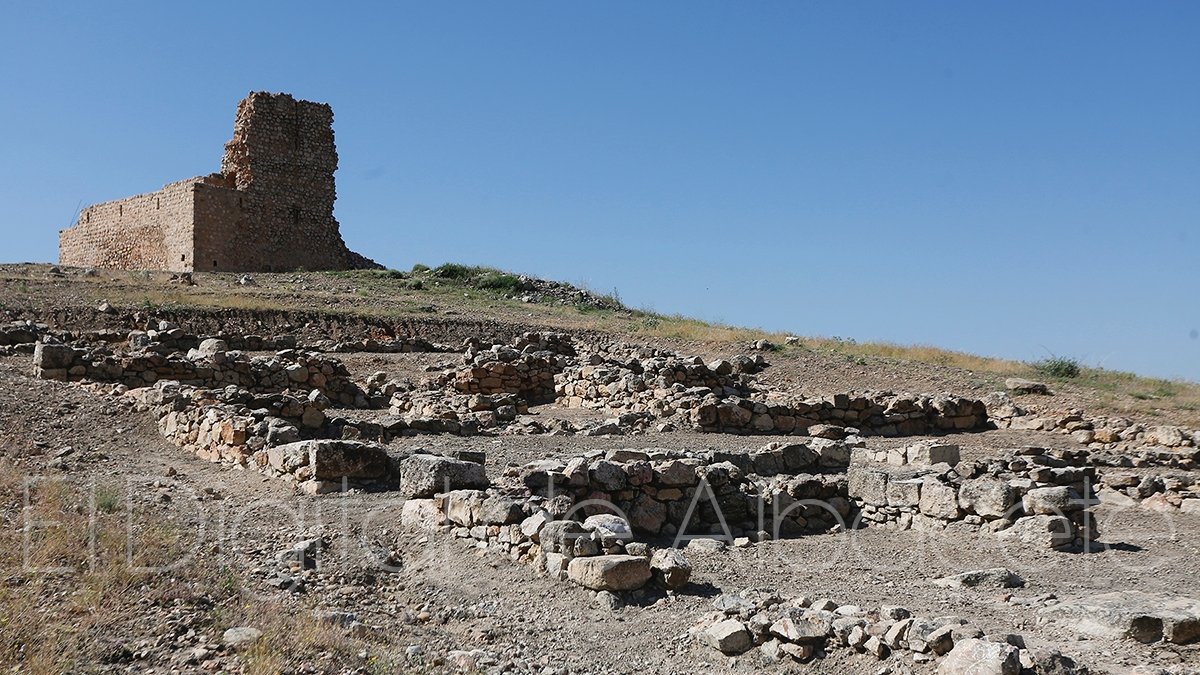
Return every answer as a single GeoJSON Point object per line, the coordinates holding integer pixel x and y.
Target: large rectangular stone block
{"type": "Point", "coordinates": [869, 485]}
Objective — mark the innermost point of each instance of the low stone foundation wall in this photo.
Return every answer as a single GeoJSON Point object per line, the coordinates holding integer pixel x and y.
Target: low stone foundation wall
{"type": "Point", "coordinates": [778, 490]}
{"type": "Point", "coordinates": [267, 434]}
{"type": "Point", "coordinates": [166, 338]}
{"type": "Point", "coordinates": [527, 372]}
{"type": "Point", "coordinates": [459, 414]}
{"type": "Point", "coordinates": [382, 345]}
{"type": "Point", "coordinates": [644, 385]}
{"type": "Point", "coordinates": [209, 366]}
{"type": "Point", "coordinates": [881, 413]}
{"type": "Point", "coordinates": [597, 551]}
{"type": "Point", "coordinates": [231, 425]}
{"type": "Point", "coordinates": [1034, 499]}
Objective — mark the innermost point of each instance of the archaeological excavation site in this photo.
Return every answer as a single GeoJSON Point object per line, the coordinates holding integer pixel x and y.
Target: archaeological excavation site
{"type": "Point", "coordinates": [380, 471]}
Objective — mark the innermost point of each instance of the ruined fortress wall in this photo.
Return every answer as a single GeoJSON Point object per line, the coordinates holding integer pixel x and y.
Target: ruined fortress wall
{"type": "Point", "coordinates": [150, 231]}
{"type": "Point", "coordinates": [220, 218]}
{"type": "Point", "coordinates": [282, 158]}
{"type": "Point", "coordinates": [270, 209]}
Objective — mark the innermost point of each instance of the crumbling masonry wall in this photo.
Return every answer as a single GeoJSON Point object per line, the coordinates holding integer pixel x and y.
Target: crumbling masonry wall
{"type": "Point", "coordinates": [270, 208]}
{"type": "Point", "coordinates": [148, 231]}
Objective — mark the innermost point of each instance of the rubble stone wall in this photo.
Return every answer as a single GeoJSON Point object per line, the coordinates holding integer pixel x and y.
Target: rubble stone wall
{"type": "Point", "coordinates": [779, 489]}
{"type": "Point", "coordinates": [613, 386]}
{"type": "Point", "coordinates": [294, 370]}
{"type": "Point", "coordinates": [526, 368]}
{"type": "Point", "coordinates": [1033, 499]}
{"type": "Point", "coordinates": [882, 414]}
{"type": "Point", "coordinates": [280, 435]}
{"type": "Point", "coordinates": [147, 231]}
{"type": "Point", "coordinates": [531, 377]}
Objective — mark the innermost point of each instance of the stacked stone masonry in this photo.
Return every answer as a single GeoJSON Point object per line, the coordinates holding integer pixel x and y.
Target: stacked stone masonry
{"type": "Point", "coordinates": [1032, 497]}
{"type": "Point", "coordinates": [211, 366]}
{"type": "Point", "coordinates": [777, 490]}
{"type": "Point", "coordinates": [270, 208]}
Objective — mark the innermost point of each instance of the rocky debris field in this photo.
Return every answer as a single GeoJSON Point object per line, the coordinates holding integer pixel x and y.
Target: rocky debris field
{"type": "Point", "coordinates": [177, 499]}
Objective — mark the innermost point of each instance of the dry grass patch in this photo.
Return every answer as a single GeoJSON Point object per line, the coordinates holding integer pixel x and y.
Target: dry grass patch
{"type": "Point", "coordinates": [81, 582]}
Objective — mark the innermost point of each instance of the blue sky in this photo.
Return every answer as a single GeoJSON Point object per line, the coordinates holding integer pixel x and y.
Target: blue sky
{"type": "Point", "coordinates": [1014, 179]}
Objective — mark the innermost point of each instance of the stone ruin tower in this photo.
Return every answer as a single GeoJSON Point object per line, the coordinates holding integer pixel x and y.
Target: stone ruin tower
{"type": "Point", "coordinates": [270, 209]}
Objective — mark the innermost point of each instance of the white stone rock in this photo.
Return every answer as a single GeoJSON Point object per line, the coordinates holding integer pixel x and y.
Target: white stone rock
{"type": "Point", "coordinates": [241, 636]}
{"type": "Point", "coordinates": [671, 568]}
{"type": "Point", "coordinates": [1047, 532]}
{"type": "Point", "coordinates": [980, 657]}
{"type": "Point", "coordinates": [609, 572]}
{"type": "Point", "coordinates": [609, 527]}
{"type": "Point", "coordinates": [729, 636]}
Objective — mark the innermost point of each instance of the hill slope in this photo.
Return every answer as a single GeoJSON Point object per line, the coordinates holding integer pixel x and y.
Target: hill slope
{"type": "Point", "coordinates": [459, 295]}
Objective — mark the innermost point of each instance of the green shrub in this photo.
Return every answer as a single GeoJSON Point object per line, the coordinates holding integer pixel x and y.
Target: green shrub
{"type": "Point", "coordinates": [108, 500]}
{"type": "Point", "coordinates": [1058, 366]}
{"type": "Point", "coordinates": [419, 268]}
{"type": "Point", "coordinates": [499, 281]}
{"type": "Point", "coordinates": [453, 271]}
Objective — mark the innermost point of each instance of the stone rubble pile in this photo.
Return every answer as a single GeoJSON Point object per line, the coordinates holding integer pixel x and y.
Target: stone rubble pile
{"type": "Point", "coordinates": [1032, 498]}
{"type": "Point", "coordinates": [546, 291]}
{"type": "Point", "coordinates": [1098, 432]}
{"type": "Point", "coordinates": [19, 337]}
{"type": "Point", "coordinates": [1174, 493]}
{"type": "Point", "coordinates": [800, 629]}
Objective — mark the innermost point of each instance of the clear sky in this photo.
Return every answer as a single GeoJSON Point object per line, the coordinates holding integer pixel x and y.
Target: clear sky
{"type": "Point", "coordinates": [1014, 179]}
